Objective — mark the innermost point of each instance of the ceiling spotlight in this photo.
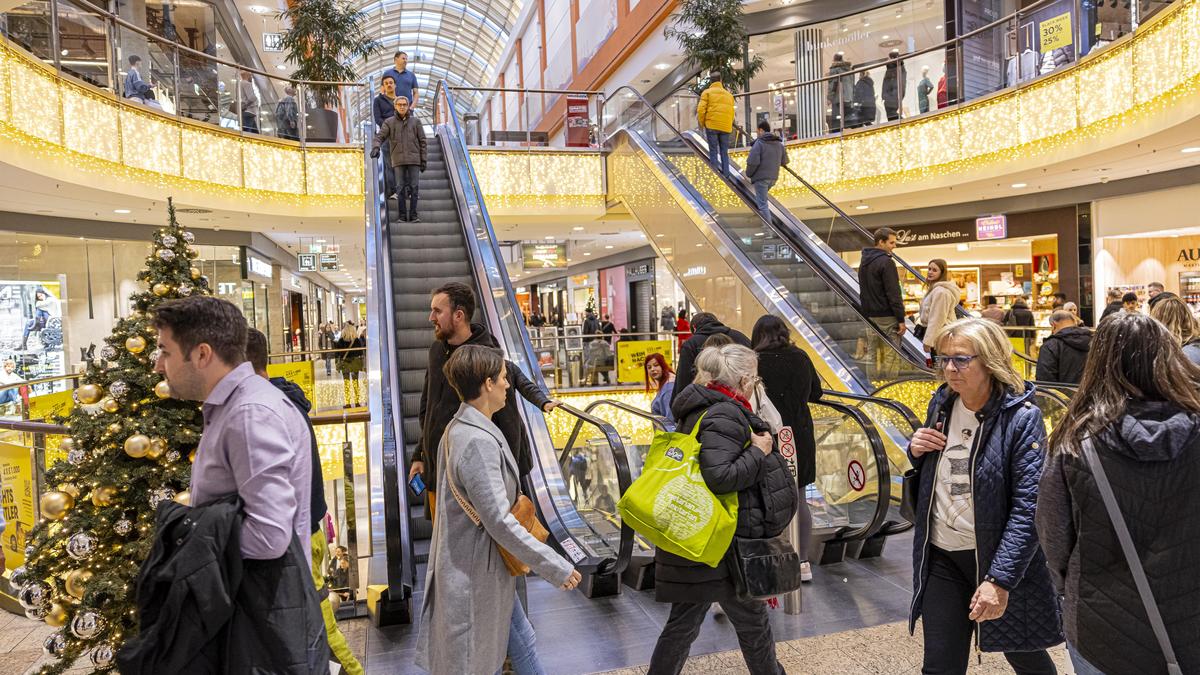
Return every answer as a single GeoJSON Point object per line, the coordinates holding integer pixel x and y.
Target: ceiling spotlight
{"type": "Point", "coordinates": [281, 67]}
{"type": "Point", "coordinates": [588, 253]}
{"type": "Point", "coordinates": [862, 207]}
{"type": "Point", "coordinates": [1018, 186]}
{"type": "Point", "coordinates": [659, 235]}
{"type": "Point", "coordinates": [549, 236]}
{"type": "Point", "coordinates": [1188, 151]}
{"type": "Point", "coordinates": [259, 9]}
{"type": "Point", "coordinates": [662, 66]}
{"type": "Point", "coordinates": [122, 211]}
{"type": "Point", "coordinates": [608, 246]}
{"type": "Point", "coordinates": [578, 228]}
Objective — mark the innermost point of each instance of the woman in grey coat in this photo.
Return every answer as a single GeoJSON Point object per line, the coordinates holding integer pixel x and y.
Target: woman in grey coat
{"type": "Point", "coordinates": [469, 617]}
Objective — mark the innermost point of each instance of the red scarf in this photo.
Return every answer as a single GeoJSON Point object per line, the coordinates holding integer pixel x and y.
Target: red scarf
{"type": "Point", "coordinates": [718, 387]}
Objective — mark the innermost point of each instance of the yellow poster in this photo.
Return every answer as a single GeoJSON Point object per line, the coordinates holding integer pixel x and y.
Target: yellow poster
{"type": "Point", "coordinates": [631, 357]}
{"type": "Point", "coordinates": [1055, 32]}
{"type": "Point", "coordinates": [49, 406]}
{"type": "Point", "coordinates": [302, 373]}
{"type": "Point", "coordinates": [16, 496]}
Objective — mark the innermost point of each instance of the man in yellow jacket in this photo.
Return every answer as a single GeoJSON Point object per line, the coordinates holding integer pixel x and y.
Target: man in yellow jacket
{"type": "Point", "coordinates": [715, 114]}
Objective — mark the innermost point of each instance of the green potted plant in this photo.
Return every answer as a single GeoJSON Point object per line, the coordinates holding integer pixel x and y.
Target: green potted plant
{"type": "Point", "coordinates": [713, 37]}
{"type": "Point", "coordinates": [323, 37]}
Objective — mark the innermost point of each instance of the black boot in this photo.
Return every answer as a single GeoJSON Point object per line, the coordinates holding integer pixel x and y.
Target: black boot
{"type": "Point", "coordinates": [412, 209]}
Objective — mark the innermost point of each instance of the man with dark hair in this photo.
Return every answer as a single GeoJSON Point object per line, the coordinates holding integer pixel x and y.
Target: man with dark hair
{"type": "Point", "coordinates": [134, 77]}
{"type": "Point", "coordinates": [1130, 302]}
{"type": "Point", "coordinates": [591, 326]}
{"type": "Point", "coordinates": [406, 81]}
{"type": "Point", "coordinates": [450, 309]}
{"type": "Point", "coordinates": [1114, 303]}
{"type": "Point", "coordinates": [704, 326]}
{"type": "Point", "coordinates": [254, 439]}
{"type": "Point", "coordinates": [767, 156]}
{"type": "Point", "coordinates": [405, 136]}
{"type": "Point", "coordinates": [256, 354]}
{"type": "Point", "coordinates": [383, 108]}
{"type": "Point", "coordinates": [1156, 293]}
{"type": "Point", "coordinates": [1064, 353]}
{"type": "Point", "coordinates": [881, 302]}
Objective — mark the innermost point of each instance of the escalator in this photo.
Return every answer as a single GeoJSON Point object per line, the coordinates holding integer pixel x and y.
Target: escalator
{"type": "Point", "coordinates": [455, 242]}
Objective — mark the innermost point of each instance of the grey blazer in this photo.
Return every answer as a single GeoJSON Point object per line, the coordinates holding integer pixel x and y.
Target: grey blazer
{"type": "Point", "coordinates": [469, 594]}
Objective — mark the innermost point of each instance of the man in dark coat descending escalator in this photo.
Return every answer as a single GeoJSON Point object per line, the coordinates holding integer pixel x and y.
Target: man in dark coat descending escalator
{"type": "Point", "coordinates": [451, 309]}
{"type": "Point", "coordinates": [1064, 353]}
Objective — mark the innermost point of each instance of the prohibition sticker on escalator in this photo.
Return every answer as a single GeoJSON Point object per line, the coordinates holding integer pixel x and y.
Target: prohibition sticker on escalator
{"type": "Point", "coordinates": [787, 443]}
{"type": "Point", "coordinates": [856, 475]}
{"type": "Point", "coordinates": [572, 549]}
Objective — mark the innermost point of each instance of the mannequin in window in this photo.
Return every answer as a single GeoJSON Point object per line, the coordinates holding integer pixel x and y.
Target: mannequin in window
{"type": "Point", "coordinates": [924, 88]}
{"type": "Point", "coordinates": [895, 81]}
{"type": "Point", "coordinates": [864, 100]}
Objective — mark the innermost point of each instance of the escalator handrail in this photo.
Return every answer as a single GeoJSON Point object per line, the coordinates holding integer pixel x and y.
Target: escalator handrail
{"type": "Point", "coordinates": [899, 407]}
{"type": "Point", "coordinates": [659, 422]}
{"type": "Point", "coordinates": [798, 243]}
{"type": "Point", "coordinates": [882, 469]}
{"type": "Point", "coordinates": [479, 216]}
{"type": "Point", "coordinates": [386, 341]}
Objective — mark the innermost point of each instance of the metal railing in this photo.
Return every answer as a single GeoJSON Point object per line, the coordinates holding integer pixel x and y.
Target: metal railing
{"type": "Point", "coordinates": [94, 46]}
{"type": "Point", "coordinates": [493, 125]}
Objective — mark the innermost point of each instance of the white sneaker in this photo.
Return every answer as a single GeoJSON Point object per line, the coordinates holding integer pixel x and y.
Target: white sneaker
{"type": "Point", "coordinates": [805, 572]}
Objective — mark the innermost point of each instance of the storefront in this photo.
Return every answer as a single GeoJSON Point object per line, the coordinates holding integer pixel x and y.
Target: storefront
{"type": "Point", "coordinates": [1147, 238]}
{"type": "Point", "coordinates": [1032, 255]}
{"type": "Point", "coordinates": [628, 296]}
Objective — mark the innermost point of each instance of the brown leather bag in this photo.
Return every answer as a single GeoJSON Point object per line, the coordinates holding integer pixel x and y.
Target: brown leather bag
{"type": "Point", "coordinates": [523, 511]}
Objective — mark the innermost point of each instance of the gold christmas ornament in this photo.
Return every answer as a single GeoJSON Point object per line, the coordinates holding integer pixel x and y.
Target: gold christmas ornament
{"type": "Point", "coordinates": [192, 456]}
{"type": "Point", "coordinates": [75, 580]}
{"type": "Point", "coordinates": [162, 390]}
{"type": "Point", "coordinates": [160, 289]}
{"type": "Point", "coordinates": [67, 444]}
{"type": "Point", "coordinates": [103, 495]}
{"type": "Point", "coordinates": [135, 344]}
{"type": "Point", "coordinates": [69, 489]}
{"type": "Point", "coordinates": [137, 445]}
{"type": "Point", "coordinates": [193, 253]}
{"type": "Point", "coordinates": [57, 616]}
{"type": "Point", "coordinates": [184, 498]}
{"type": "Point", "coordinates": [109, 405]}
{"type": "Point", "coordinates": [54, 505]}
{"type": "Point", "coordinates": [157, 447]}
{"type": "Point", "coordinates": [195, 273]}
{"type": "Point", "coordinates": [114, 428]}
{"type": "Point", "coordinates": [89, 393]}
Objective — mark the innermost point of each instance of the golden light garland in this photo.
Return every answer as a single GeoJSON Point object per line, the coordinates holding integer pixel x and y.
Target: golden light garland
{"type": "Point", "coordinates": [61, 121]}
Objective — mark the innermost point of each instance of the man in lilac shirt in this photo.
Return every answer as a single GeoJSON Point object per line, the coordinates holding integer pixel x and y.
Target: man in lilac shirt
{"type": "Point", "coordinates": [255, 442]}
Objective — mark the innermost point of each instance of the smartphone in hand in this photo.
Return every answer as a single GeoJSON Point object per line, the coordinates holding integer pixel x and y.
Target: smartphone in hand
{"type": "Point", "coordinates": [416, 485]}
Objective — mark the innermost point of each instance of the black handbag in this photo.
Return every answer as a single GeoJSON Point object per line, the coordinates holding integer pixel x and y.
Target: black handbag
{"type": "Point", "coordinates": [764, 568]}
{"type": "Point", "coordinates": [919, 331]}
{"type": "Point", "coordinates": [910, 484]}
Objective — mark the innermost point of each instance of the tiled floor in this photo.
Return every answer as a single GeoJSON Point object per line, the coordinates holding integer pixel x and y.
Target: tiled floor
{"type": "Point", "coordinates": [619, 632]}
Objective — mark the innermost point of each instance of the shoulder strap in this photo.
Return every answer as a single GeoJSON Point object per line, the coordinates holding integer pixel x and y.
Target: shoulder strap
{"type": "Point", "coordinates": [1131, 556]}
{"type": "Point", "coordinates": [466, 505]}
{"type": "Point", "coordinates": [696, 429]}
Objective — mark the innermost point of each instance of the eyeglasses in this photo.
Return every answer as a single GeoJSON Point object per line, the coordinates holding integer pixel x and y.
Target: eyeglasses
{"type": "Point", "coordinates": [961, 362]}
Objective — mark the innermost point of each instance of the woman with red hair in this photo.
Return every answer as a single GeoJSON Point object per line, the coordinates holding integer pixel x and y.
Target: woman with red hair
{"type": "Point", "coordinates": [660, 373]}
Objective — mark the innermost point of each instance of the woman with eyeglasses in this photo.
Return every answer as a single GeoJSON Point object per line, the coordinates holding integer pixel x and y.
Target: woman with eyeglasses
{"type": "Point", "coordinates": [979, 574]}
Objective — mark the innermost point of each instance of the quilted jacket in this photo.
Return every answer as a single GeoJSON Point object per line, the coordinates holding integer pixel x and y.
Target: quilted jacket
{"type": "Point", "coordinates": [1007, 463]}
{"type": "Point", "coordinates": [767, 493]}
{"type": "Point", "coordinates": [1151, 456]}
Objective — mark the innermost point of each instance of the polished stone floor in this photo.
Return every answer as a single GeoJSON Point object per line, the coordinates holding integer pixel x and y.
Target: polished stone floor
{"type": "Point", "coordinates": [619, 632]}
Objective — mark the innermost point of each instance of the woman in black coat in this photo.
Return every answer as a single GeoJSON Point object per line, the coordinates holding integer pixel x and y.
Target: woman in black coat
{"type": "Point", "coordinates": [736, 455]}
{"type": "Point", "coordinates": [1139, 406]}
{"type": "Point", "coordinates": [792, 383]}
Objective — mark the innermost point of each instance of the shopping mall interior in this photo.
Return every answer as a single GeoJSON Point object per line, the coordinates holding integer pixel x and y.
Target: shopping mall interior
{"type": "Point", "coordinates": [1045, 149]}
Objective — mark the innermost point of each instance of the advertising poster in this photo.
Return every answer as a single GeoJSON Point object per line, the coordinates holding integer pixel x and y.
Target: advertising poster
{"type": "Point", "coordinates": [631, 354]}
{"type": "Point", "coordinates": [302, 373]}
{"type": "Point", "coordinates": [31, 332]}
{"type": "Point", "coordinates": [16, 497]}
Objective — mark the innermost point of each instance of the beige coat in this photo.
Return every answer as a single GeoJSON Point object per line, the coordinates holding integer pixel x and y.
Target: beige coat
{"type": "Point", "coordinates": [469, 594]}
{"type": "Point", "coordinates": [937, 310]}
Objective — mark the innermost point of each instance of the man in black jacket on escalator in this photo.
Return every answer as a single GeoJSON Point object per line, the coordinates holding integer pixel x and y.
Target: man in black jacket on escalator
{"type": "Point", "coordinates": [704, 325]}
{"type": "Point", "coordinates": [882, 304]}
{"type": "Point", "coordinates": [451, 308]}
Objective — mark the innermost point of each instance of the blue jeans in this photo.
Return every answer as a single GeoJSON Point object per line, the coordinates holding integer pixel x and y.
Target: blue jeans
{"type": "Point", "coordinates": [10, 395]}
{"type": "Point", "coordinates": [761, 188]}
{"type": "Point", "coordinates": [1082, 667]}
{"type": "Point", "coordinates": [522, 651]}
{"type": "Point", "coordinates": [718, 149]}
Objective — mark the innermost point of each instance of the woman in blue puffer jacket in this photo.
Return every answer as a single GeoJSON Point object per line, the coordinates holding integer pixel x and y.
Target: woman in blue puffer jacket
{"type": "Point", "coordinates": [979, 574]}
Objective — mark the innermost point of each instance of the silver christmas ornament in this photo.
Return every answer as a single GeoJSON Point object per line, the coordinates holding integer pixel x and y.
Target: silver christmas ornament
{"type": "Point", "coordinates": [122, 526]}
{"type": "Point", "coordinates": [85, 625]}
{"type": "Point", "coordinates": [166, 254]}
{"type": "Point", "coordinates": [154, 355]}
{"type": "Point", "coordinates": [160, 495]}
{"type": "Point", "coordinates": [169, 240]}
{"type": "Point", "coordinates": [173, 456]}
{"type": "Point", "coordinates": [17, 577]}
{"type": "Point", "coordinates": [189, 237]}
{"type": "Point", "coordinates": [34, 595]}
{"type": "Point", "coordinates": [109, 353]}
{"type": "Point", "coordinates": [76, 456]}
{"type": "Point", "coordinates": [118, 389]}
{"type": "Point", "coordinates": [36, 613]}
{"type": "Point", "coordinates": [81, 545]}
{"type": "Point", "coordinates": [102, 657]}
{"type": "Point", "coordinates": [185, 289]}
{"type": "Point", "coordinates": [54, 645]}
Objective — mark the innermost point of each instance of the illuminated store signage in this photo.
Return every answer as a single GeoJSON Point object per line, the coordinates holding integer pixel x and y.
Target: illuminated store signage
{"type": "Point", "coordinates": [543, 256]}
{"type": "Point", "coordinates": [991, 227]}
{"type": "Point", "coordinates": [253, 265]}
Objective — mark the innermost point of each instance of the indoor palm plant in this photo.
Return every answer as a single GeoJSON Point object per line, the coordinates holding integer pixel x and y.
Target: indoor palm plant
{"type": "Point", "coordinates": [713, 37]}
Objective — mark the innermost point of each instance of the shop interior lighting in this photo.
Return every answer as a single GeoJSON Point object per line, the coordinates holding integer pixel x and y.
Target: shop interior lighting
{"type": "Point", "coordinates": [963, 247]}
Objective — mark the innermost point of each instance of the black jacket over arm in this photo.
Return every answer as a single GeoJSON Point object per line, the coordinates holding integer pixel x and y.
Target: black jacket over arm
{"type": "Point", "coordinates": [792, 383]}
{"type": "Point", "coordinates": [205, 610]}
{"type": "Point", "coordinates": [685, 370]}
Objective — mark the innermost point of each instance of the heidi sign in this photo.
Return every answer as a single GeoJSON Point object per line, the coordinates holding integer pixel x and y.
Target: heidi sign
{"type": "Point", "coordinates": [991, 227]}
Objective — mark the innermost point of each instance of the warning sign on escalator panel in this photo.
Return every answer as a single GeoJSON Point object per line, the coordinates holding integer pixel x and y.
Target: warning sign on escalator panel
{"type": "Point", "coordinates": [856, 475]}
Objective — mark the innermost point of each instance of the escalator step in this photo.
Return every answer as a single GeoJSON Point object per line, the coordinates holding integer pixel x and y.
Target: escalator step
{"type": "Point", "coordinates": [410, 255]}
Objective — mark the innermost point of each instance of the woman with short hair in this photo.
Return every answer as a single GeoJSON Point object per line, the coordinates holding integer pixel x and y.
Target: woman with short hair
{"type": "Point", "coordinates": [979, 575]}
{"type": "Point", "coordinates": [1172, 312]}
{"type": "Point", "coordinates": [736, 456]}
{"type": "Point", "coordinates": [1138, 407]}
{"type": "Point", "coordinates": [470, 617]}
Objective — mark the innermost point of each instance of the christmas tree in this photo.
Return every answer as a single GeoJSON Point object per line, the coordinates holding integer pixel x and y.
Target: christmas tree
{"type": "Point", "coordinates": [129, 448]}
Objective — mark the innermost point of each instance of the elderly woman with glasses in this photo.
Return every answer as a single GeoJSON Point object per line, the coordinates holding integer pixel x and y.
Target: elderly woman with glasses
{"type": "Point", "coordinates": [979, 574]}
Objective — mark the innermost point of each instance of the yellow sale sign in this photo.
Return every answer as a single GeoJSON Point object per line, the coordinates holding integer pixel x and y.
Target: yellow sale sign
{"type": "Point", "coordinates": [49, 406]}
{"type": "Point", "coordinates": [1055, 32]}
{"type": "Point", "coordinates": [302, 373]}
{"type": "Point", "coordinates": [16, 496]}
{"type": "Point", "coordinates": [631, 357]}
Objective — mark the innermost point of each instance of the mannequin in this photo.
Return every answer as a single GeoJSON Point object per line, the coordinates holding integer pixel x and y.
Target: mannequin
{"type": "Point", "coordinates": [924, 87]}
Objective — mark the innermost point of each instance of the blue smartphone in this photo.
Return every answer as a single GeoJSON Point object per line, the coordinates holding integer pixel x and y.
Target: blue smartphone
{"type": "Point", "coordinates": [417, 485]}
